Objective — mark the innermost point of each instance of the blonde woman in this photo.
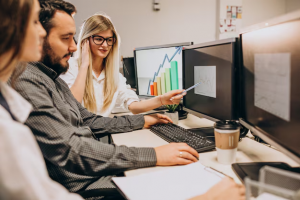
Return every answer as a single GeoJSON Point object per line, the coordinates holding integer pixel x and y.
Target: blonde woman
{"type": "Point", "coordinates": [94, 77]}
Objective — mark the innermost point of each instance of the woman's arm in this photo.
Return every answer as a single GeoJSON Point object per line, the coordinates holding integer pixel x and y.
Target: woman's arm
{"type": "Point", "coordinates": [78, 87]}
{"type": "Point", "coordinates": [150, 104]}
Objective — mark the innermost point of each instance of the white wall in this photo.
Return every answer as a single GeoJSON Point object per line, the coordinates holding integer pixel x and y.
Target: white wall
{"type": "Point", "coordinates": [138, 25]}
{"type": "Point", "coordinates": [256, 11]}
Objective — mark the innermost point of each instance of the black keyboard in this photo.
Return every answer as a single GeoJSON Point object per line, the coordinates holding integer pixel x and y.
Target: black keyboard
{"type": "Point", "coordinates": [173, 133]}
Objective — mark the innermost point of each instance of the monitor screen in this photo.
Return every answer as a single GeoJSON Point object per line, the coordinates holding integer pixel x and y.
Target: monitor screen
{"type": "Point", "coordinates": [271, 69]}
{"type": "Point", "coordinates": [159, 70]}
{"type": "Point", "coordinates": [213, 66]}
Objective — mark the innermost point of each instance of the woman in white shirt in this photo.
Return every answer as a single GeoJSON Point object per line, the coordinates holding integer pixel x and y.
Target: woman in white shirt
{"type": "Point", "coordinates": [94, 77]}
{"type": "Point", "coordinates": [23, 173]}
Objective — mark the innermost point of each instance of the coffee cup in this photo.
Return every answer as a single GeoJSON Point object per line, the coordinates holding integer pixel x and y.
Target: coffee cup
{"type": "Point", "coordinates": [227, 134]}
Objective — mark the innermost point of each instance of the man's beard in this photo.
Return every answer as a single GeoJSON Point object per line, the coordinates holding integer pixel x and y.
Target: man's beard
{"type": "Point", "coordinates": [51, 60]}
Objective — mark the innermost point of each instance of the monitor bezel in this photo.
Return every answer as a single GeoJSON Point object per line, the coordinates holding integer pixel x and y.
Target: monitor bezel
{"type": "Point", "coordinates": [235, 73]}
{"type": "Point", "coordinates": [124, 68]}
{"type": "Point", "coordinates": [255, 129]}
{"type": "Point", "coordinates": [183, 44]}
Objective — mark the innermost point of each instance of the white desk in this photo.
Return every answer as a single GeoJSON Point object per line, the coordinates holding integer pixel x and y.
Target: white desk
{"type": "Point", "coordinates": [248, 149]}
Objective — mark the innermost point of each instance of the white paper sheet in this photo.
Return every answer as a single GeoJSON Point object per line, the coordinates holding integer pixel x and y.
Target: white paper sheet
{"type": "Point", "coordinates": [176, 183]}
{"type": "Point", "coordinates": [222, 22]}
{"type": "Point", "coordinates": [233, 22]}
{"type": "Point", "coordinates": [233, 9]}
{"type": "Point", "coordinates": [222, 30]}
{"type": "Point", "coordinates": [207, 76]}
{"type": "Point", "coordinates": [232, 28]}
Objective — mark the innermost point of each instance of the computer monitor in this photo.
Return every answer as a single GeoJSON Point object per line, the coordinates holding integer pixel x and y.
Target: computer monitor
{"type": "Point", "coordinates": [159, 68]}
{"type": "Point", "coordinates": [129, 71]}
{"type": "Point", "coordinates": [215, 66]}
{"type": "Point", "coordinates": [271, 82]}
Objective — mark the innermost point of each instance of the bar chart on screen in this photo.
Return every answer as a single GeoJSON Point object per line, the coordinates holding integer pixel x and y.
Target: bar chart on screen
{"type": "Point", "coordinates": [170, 80]}
{"type": "Point", "coordinates": [171, 75]}
{"type": "Point", "coordinates": [161, 72]}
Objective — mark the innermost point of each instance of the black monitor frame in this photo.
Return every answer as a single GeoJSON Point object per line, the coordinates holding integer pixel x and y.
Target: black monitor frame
{"type": "Point", "coordinates": [254, 129]}
{"type": "Point", "coordinates": [125, 72]}
{"type": "Point", "coordinates": [153, 47]}
{"type": "Point", "coordinates": [235, 73]}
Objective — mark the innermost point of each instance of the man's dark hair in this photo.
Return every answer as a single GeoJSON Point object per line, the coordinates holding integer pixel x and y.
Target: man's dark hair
{"type": "Point", "coordinates": [49, 8]}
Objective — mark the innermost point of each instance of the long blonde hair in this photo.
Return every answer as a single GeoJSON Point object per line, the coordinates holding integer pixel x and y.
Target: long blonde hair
{"type": "Point", "coordinates": [94, 25]}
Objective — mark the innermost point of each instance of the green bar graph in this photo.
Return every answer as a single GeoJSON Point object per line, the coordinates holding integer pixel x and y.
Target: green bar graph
{"type": "Point", "coordinates": [161, 66]}
{"type": "Point", "coordinates": [163, 83]}
{"type": "Point", "coordinates": [174, 76]}
{"type": "Point", "coordinates": [168, 79]}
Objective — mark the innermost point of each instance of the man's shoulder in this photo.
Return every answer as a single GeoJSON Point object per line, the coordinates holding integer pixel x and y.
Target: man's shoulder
{"type": "Point", "coordinates": [32, 72]}
{"type": "Point", "coordinates": [63, 84]}
{"type": "Point", "coordinates": [32, 77]}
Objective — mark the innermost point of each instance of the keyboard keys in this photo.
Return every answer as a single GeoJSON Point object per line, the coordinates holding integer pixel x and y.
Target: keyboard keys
{"type": "Point", "coordinates": [173, 133]}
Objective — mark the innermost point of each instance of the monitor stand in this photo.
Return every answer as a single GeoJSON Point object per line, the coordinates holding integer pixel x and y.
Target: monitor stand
{"type": "Point", "coordinates": [182, 114]}
{"type": "Point", "coordinates": [251, 170]}
{"type": "Point", "coordinates": [205, 132]}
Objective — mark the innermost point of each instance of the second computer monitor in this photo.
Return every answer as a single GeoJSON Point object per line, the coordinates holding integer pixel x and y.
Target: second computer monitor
{"type": "Point", "coordinates": [271, 94]}
{"type": "Point", "coordinates": [215, 66]}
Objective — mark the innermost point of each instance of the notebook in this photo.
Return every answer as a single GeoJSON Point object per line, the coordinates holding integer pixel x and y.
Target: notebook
{"type": "Point", "coordinates": [176, 183]}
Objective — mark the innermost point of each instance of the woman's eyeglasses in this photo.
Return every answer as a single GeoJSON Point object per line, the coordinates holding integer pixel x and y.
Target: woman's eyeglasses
{"type": "Point", "coordinates": [99, 40]}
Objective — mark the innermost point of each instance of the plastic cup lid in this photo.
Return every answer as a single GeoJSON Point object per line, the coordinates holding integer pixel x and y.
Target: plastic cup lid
{"type": "Point", "coordinates": [227, 125]}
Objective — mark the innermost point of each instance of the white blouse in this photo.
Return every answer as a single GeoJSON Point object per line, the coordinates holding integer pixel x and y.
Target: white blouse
{"type": "Point", "coordinates": [123, 97]}
{"type": "Point", "coordinates": [23, 172]}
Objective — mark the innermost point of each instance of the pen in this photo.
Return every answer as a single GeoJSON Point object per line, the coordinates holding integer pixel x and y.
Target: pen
{"type": "Point", "coordinates": [184, 91]}
{"type": "Point", "coordinates": [219, 172]}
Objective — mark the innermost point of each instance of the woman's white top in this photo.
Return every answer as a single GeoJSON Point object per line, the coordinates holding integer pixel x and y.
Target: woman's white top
{"type": "Point", "coordinates": [123, 97]}
{"type": "Point", "coordinates": [23, 173]}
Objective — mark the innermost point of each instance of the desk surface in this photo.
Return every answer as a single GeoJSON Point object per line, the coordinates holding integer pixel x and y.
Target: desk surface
{"type": "Point", "coordinates": [248, 149]}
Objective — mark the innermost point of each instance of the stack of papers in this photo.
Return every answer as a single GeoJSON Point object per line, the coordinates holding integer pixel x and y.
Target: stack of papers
{"type": "Point", "coordinates": [176, 183]}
